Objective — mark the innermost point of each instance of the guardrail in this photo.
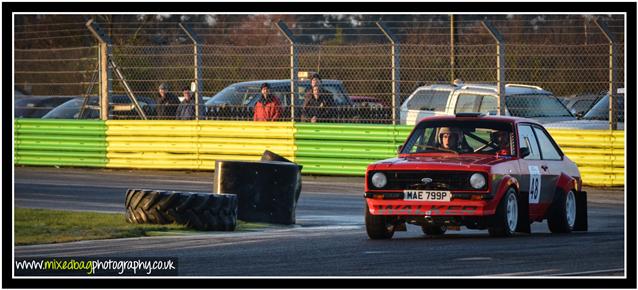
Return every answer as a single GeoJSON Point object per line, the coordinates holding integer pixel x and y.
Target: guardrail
{"type": "Point", "coordinates": [193, 144]}
{"type": "Point", "coordinates": [331, 149]}
{"type": "Point", "coordinates": [60, 142]}
{"type": "Point", "coordinates": [599, 154]}
{"type": "Point", "coordinates": [345, 149]}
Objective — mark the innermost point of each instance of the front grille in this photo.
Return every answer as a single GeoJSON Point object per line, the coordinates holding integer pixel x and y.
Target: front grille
{"type": "Point", "coordinates": [441, 180]}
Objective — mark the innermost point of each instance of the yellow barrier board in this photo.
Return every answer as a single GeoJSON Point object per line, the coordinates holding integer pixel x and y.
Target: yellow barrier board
{"type": "Point", "coordinates": [165, 144]}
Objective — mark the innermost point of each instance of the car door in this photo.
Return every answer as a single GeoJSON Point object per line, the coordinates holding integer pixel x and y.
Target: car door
{"type": "Point", "coordinates": [426, 103]}
{"type": "Point", "coordinates": [551, 166]}
{"type": "Point", "coordinates": [534, 177]}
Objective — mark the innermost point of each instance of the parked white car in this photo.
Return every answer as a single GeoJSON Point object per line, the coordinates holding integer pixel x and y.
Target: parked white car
{"type": "Point", "coordinates": [597, 118]}
{"type": "Point", "coordinates": [520, 101]}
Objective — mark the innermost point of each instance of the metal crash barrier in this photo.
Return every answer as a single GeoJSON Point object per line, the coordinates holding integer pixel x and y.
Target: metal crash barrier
{"type": "Point", "coordinates": [599, 154]}
{"type": "Point", "coordinates": [321, 148]}
{"type": "Point", "coordinates": [60, 142]}
{"type": "Point", "coordinates": [345, 149]}
{"type": "Point", "coordinates": [193, 144]}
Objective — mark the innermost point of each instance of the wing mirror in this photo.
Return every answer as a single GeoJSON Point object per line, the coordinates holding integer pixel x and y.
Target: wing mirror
{"type": "Point", "coordinates": [399, 148]}
{"type": "Point", "coordinates": [524, 152]}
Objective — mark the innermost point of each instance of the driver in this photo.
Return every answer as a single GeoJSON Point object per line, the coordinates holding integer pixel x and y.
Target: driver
{"type": "Point", "coordinates": [449, 138]}
{"type": "Point", "coordinates": [502, 140]}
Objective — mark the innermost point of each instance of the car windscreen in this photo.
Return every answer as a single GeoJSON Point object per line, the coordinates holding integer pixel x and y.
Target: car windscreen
{"type": "Point", "coordinates": [600, 111]}
{"type": "Point", "coordinates": [536, 106]}
{"type": "Point", "coordinates": [461, 137]}
{"type": "Point", "coordinates": [235, 95]}
{"type": "Point", "coordinates": [70, 109]}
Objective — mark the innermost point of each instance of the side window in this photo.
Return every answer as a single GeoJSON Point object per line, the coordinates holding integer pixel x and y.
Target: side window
{"type": "Point", "coordinates": [548, 150]}
{"type": "Point", "coordinates": [429, 100]}
{"type": "Point", "coordinates": [527, 139]}
{"type": "Point", "coordinates": [488, 105]}
{"type": "Point", "coordinates": [466, 103]}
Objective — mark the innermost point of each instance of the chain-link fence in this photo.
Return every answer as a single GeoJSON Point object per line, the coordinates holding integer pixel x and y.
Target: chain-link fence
{"type": "Point", "coordinates": [556, 62]}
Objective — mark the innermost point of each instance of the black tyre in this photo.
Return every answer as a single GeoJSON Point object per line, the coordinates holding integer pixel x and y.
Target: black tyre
{"type": "Point", "coordinates": [562, 213]}
{"type": "Point", "coordinates": [201, 211]}
{"type": "Point", "coordinates": [378, 226]}
{"type": "Point", "coordinates": [434, 230]}
{"type": "Point", "coordinates": [505, 220]}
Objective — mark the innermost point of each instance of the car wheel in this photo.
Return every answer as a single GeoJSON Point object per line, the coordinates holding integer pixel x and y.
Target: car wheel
{"type": "Point", "coordinates": [434, 230]}
{"type": "Point", "coordinates": [377, 226]}
{"type": "Point", "coordinates": [562, 212]}
{"type": "Point", "coordinates": [506, 217]}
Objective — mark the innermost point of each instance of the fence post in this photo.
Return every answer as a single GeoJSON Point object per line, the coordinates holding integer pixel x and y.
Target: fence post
{"type": "Point", "coordinates": [396, 72]}
{"type": "Point", "coordinates": [197, 62]}
{"type": "Point", "coordinates": [105, 74]}
{"type": "Point", "coordinates": [294, 64]}
{"type": "Point", "coordinates": [500, 65]}
{"type": "Point", "coordinates": [453, 41]}
{"type": "Point", "coordinates": [613, 93]}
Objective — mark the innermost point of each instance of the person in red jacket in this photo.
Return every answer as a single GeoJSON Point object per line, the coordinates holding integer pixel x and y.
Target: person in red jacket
{"type": "Point", "coordinates": [268, 107]}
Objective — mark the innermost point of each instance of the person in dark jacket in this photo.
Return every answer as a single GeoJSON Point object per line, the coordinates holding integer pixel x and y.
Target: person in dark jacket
{"type": "Point", "coordinates": [317, 102]}
{"type": "Point", "coordinates": [268, 108]}
{"type": "Point", "coordinates": [316, 105]}
{"type": "Point", "coordinates": [166, 103]}
{"type": "Point", "coordinates": [186, 109]}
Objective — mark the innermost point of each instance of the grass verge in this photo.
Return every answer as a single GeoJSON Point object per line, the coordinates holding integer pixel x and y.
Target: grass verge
{"type": "Point", "coordinates": [45, 226]}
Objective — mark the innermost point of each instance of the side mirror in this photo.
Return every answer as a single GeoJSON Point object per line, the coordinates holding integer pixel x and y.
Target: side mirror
{"type": "Point", "coordinates": [525, 152]}
{"type": "Point", "coordinates": [399, 148]}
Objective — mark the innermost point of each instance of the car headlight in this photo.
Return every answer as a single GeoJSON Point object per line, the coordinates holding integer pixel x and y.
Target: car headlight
{"type": "Point", "coordinates": [379, 180]}
{"type": "Point", "coordinates": [477, 180]}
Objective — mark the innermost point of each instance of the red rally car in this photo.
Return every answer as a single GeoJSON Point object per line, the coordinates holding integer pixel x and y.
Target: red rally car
{"type": "Point", "coordinates": [481, 172]}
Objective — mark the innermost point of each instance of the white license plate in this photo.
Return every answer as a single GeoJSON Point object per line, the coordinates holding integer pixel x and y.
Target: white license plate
{"type": "Point", "coordinates": [427, 195]}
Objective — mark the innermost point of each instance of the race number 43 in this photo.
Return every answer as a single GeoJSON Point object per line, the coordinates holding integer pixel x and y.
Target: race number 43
{"type": "Point", "coordinates": [534, 184]}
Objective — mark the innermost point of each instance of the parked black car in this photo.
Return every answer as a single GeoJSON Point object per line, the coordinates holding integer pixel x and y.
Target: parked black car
{"type": "Point", "coordinates": [120, 107]}
{"type": "Point", "coordinates": [37, 106]}
{"type": "Point", "coordinates": [237, 102]}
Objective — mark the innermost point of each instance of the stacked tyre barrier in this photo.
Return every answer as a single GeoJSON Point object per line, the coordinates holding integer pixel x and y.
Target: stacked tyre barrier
{"type": "Point", "coordinates": [201, 211]}
{"type": "Point", "coordinates": [60, 142]}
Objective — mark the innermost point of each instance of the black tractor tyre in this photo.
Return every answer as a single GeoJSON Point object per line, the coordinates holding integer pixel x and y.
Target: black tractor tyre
{"type": "Point", "coordinates": [505, 220]}
{"type": "Point", "coordinates": [558, 215]}
{"type": "Point", "coordinates": [201, 211]}
{"type": "Point", "coordinates": [378, 227]}
{"type": "Point", "coordinates": [434, 230]}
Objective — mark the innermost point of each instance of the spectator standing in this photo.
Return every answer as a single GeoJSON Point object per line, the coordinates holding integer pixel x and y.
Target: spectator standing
{"type": "Point", "coordinates": [166, 102]}
{"type": "Point", "coordinates": [186, 109]}
{"type": "Point", "coordinates": [268, 108]}
{"type": "Point", "coordinates": [316, 104]}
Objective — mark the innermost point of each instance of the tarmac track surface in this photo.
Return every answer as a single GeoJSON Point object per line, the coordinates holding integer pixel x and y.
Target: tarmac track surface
{"type": "Point", "coordinates": [329, 238]}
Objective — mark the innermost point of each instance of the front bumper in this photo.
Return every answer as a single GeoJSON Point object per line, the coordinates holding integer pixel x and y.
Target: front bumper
{"type": "Point", "coordinates": [456, 207]}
